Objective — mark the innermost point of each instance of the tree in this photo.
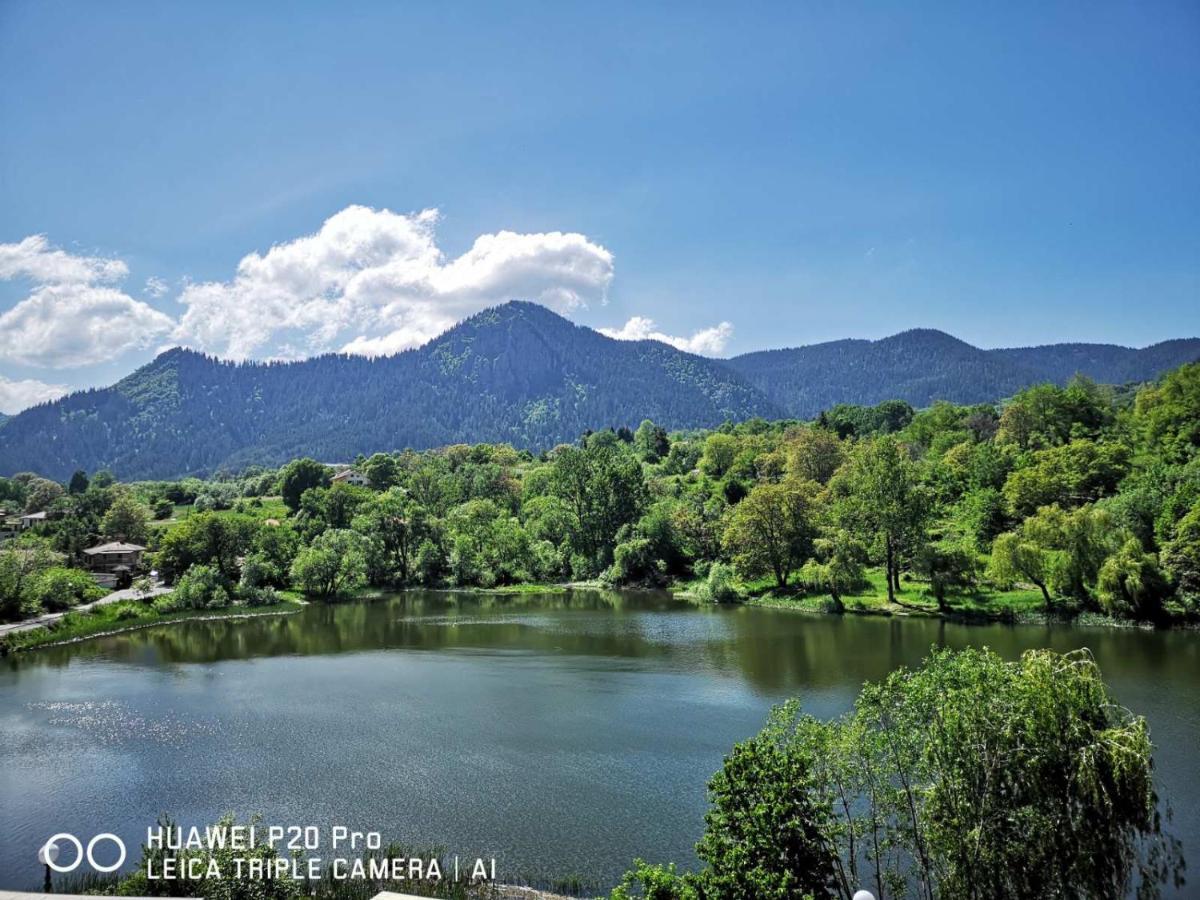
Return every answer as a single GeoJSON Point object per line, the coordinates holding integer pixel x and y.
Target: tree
{"type": "Point", "coordinates": [813, 454]}
{"type": "Point", "coordinates": [967, 777]}
{"type": "Point", "coordinates": [772, 529]}
{"type": "Point", "coordinates": [1130, 583]}
{"type": "Point", "coordinates": [651, 441]}
{"type": "Point", "coordinates": [215, 539]}
{"type": "Point", "coordinates": [1168, 413]}
{"type": "Point", "coordinates": [78, 483]}
{"type": "Point", "coordinates": [603, 488]}
{"type": "Point", "coordinates": [1070, 475]}
{"type": "Point", "coordinates": [837, 566]}
{"type": "Point", "coordinates": [878, 494]}
{"type": "Point", "coordinates": [1056, 550]}
{"type": "Point", "coordinates": [126, 519]}
{"type": "Point", "coordinates": [332, 564]}
{"type": "Point", "coordinates": [40, 494]}
{"type": "Point", "coordinates": [382, 471]}
{"type": "Point", "coordinates": [200, 587]}
{"type": "Point", "coordinates": [719, 453]}
{"type": "Point", "coordinates": [393, 526]}
{"type": "Point", "coordinates": [1015, 557]}
{"type": "Point", "coordinates": [1181, 555]}
{"type": "Point", "coordinates": [298, 476]}
{"type": "Point", "coordinates": [770, 818]}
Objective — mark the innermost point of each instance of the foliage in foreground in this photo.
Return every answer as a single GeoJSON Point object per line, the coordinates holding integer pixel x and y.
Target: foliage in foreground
{"type": "Point", "coordinates": [970, 777]}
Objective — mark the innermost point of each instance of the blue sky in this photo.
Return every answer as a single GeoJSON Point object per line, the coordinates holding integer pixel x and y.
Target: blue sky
{"type": "Point", "coordinates": [745, 176]}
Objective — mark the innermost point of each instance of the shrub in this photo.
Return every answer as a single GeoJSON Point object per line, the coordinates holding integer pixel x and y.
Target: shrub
{"type": "Point", "coordinates": [720, 586]}
{"type": "Point", "coordinates": [201, 587]}
{"type": "Point", "coordinates": [59, 588]}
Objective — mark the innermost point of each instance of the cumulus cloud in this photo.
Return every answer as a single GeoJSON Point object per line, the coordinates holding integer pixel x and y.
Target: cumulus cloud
{"type": "Point", "coordinates": [375, 282]}
{"type": "Point", "coordinates": [706, 342]}
{"type": "Point", "coordinates": [16, 395]}
{"type": "Point", "coordinates": [73, 316]}
{"type": "Point", "coordinates": [35, 259]}
{"type": "Point", "coordinates": [155, 287]}
{"type": "Point", "coordinates": [64, 325]}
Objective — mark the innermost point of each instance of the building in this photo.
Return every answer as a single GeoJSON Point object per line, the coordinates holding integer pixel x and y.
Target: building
{"type": "Point", "coordinates": [350, 476]}
{"type": "Point", "coordinates": [115, 558]}
{"type": "Point", "coordinates": [29, 520]}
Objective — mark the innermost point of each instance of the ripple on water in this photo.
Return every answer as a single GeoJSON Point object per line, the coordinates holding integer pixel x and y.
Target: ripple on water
{"type": "Point", "coordinates": [110, 722]}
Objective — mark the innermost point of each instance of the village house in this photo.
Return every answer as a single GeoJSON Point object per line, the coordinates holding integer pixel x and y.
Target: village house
{"type": "Point", "coordinates": [114, 558]}
{"type": "Point", "coordinates": [29, 520]}
{"type": "Point", "coordinates": [350, 476]}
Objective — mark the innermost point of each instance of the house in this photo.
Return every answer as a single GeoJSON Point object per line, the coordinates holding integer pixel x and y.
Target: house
{"type": "Point", "coordinates": [350, 476]}
{"type": "Point", "coordinates": [29, 520]}
{"type": "Point", "coordinates": [115, 558]}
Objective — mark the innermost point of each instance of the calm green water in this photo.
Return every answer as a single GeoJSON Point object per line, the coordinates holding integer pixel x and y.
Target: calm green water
{"type": "Point", "coordinates": [561, 734]}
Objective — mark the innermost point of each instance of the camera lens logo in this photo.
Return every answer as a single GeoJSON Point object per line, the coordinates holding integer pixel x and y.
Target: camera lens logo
{"type": "Point", "coordinates": [49, 853]}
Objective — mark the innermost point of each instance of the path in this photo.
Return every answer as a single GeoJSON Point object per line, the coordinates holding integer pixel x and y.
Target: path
{"type": "Point", "coordinates": [48, 618]}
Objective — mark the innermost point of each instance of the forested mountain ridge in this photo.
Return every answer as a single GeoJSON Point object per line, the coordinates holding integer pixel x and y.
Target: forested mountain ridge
{"type": "Point", "coordinates": [923, 365]}
{"type": "Point", "coordinates": [516, 373]}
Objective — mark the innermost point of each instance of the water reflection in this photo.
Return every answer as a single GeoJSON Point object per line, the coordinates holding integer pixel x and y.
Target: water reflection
{"type": "Point", "coordinates": [565, 732]}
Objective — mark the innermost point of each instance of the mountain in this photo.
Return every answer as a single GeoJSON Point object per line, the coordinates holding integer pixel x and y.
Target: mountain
{"type": "Point", "coordinates": [924, 365]}
{"type": "Point", "coordinates": [516, 373]}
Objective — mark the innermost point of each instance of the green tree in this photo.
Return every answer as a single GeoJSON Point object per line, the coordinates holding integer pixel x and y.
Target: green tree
{"type": "Point", "coordinates": [879, 495]}
{"type": "Point", "coordinates": [126, 519]}
{"type": "Point", "coordinates": [298, 476]}
{"type": "Point", "coordinates": [1168, 414]}
{"type": "Point", "coordinates": [207, 538]}
{"type": "Point", "coordinates": [772, 529]}
{"type": "Point", "coordinates": [1181, 554]}
{"type": "Point", "coordinates": [602, 488]}
{"type": "Point", "coordinates": [651, 441]}
{"type": "Point", "coordinates": [393, 526]}
{"type": "Point", "coordinates": [1130, 584]}
{"type": "Point", "coordinates": [333, 564]}
{"type": "Point", "coordinates": [78, 483]}
{"type": "Point", "coordinates": [968, 777]}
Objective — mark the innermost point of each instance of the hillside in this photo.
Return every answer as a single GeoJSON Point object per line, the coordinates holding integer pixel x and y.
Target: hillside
{"type": "Point", "coordinates": [516, 373]}
{"type": "Point", "coordinates": [924, 365]}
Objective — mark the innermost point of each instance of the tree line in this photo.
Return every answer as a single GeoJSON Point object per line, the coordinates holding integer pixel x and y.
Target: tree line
{"type": "Point", "coordinates": [1087, 494]}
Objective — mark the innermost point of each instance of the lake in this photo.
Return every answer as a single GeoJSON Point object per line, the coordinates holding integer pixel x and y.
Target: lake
{"type": "Point", "coordinates": [562, 734]}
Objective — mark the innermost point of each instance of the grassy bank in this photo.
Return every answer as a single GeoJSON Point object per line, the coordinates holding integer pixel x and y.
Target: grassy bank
{"type": "Point", "coordinates": [913, 599]}
{"type": "Point", "coordinates": [130, 615]}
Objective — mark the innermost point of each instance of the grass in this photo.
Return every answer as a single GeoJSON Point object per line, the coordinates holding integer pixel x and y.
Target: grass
{"type": "Point", "coordinates": [913, 598]}
{"type": "Point", "coordinates": [128, 615]}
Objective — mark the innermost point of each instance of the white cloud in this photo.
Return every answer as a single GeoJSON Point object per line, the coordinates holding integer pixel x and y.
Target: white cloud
{"type": "Point", "coordinates": [35, 259]}
{"type": "Point", "coordinates": [72, 317]}
{"type": "Point", "coordinates": [18, 395]}
{"type": "Point", "coordinates": [65, 325]}
{"type": "Point", "coordinates": [706, 342]}
{"type": "Point", "coordinates": [375, 282]}
{"type": "Point", "coordinates": [155, 287]}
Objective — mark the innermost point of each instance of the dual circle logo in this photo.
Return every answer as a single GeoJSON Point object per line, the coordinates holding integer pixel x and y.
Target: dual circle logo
{"type": "Point", "coordinates": [49, 852]}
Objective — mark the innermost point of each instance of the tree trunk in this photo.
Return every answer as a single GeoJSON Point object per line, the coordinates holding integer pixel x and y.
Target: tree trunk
{"type": "Point", "coordinates": [1045, 594]}
{"type": "Point", "coordinates": [891, 563]}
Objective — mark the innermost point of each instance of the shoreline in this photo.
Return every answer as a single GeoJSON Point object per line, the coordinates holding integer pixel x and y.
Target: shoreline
{"type": "Point", "coordinates": [232, 613]}
{"type": "Point", "coordinates": [682, 591]}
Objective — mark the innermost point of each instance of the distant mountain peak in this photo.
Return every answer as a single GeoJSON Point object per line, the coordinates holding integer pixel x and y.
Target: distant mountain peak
{"type": "Point", "coordinates": [518, 373]}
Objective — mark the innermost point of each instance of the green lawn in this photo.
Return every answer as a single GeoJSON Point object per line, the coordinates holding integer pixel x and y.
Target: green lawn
{"type": "Point", "coordinates": [913, 598]}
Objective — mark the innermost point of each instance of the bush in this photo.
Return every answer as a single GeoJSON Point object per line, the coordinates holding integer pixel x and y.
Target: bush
{"type": "Point", "coordinates": [634, 562]}
{"type": "Point", "coordinates": [201, 587]}
{"type": "Point", "coordinates": [720, 586]}
{"type": "Point", "coordinates": [59, 588]}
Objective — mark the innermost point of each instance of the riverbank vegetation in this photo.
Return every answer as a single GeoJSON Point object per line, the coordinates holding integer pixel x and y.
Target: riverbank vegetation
{"type": "Point", "coordinates": [968, 777]}
{"type": "Point", "coordinates": [1060, 501]}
